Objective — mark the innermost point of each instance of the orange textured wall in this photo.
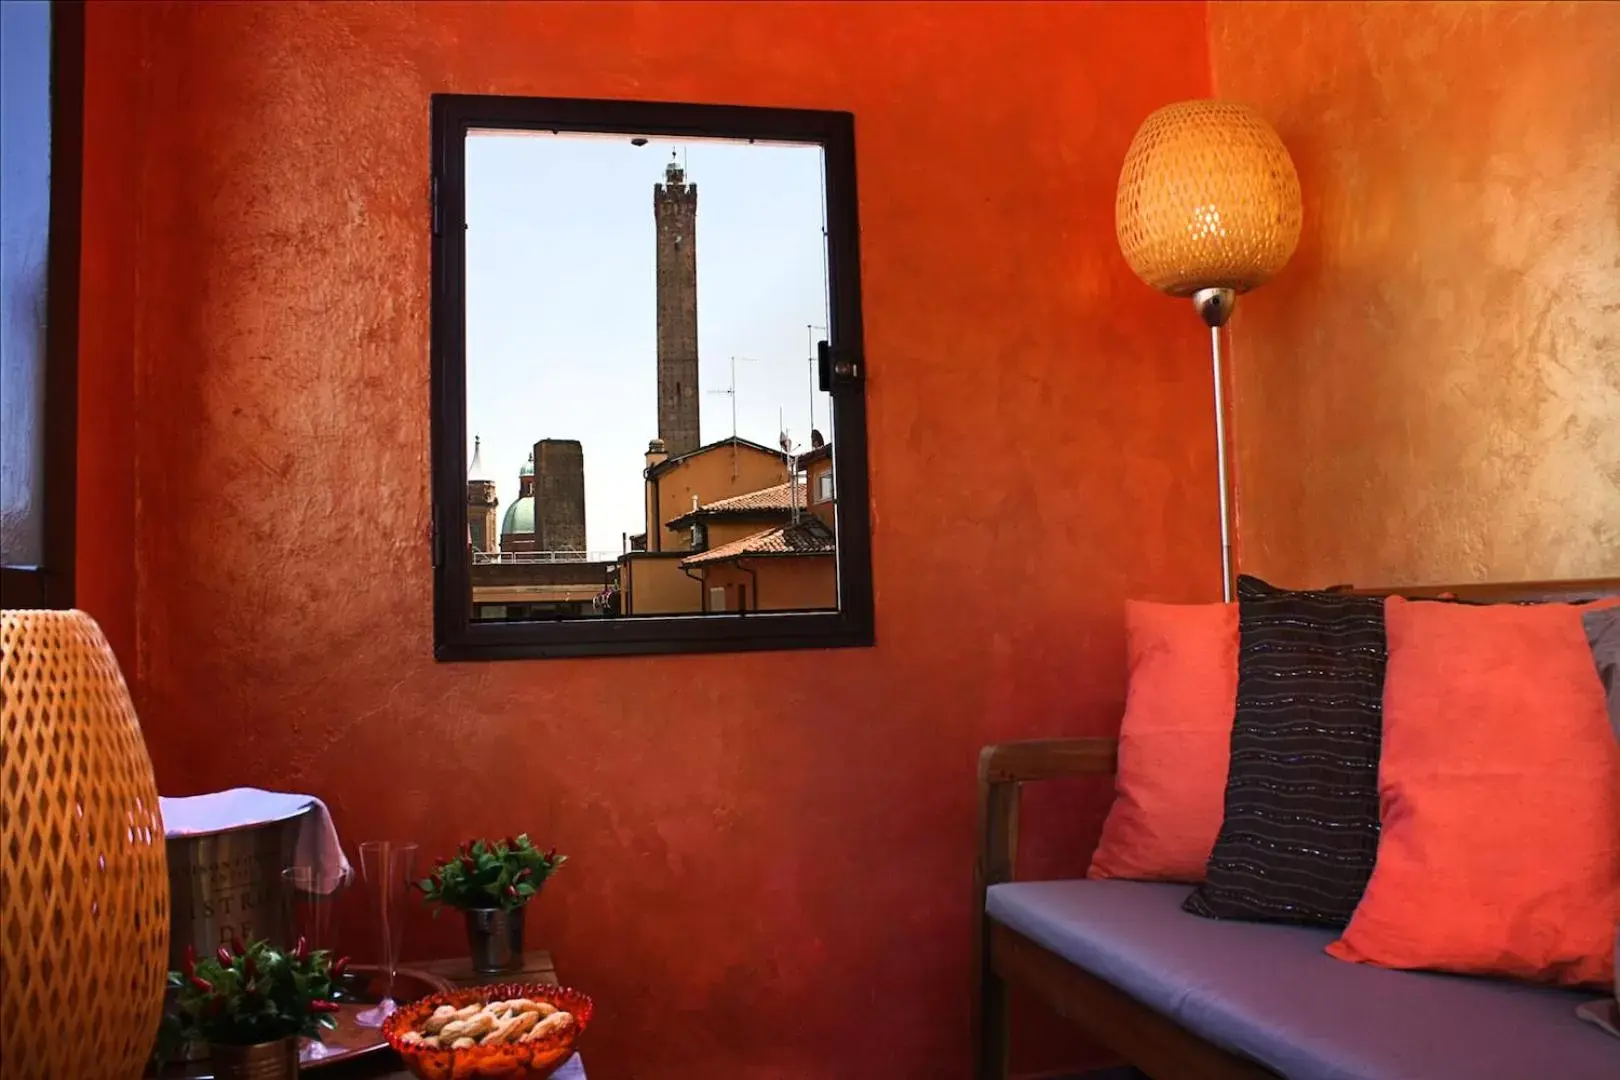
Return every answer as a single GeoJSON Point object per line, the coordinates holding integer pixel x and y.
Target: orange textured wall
{"type": "Point", "coordinates": [1430, 392]}
{"type": "Point", "coordinates": [772, 872]}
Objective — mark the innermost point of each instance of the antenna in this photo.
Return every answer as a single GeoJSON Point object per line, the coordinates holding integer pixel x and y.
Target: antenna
{"type": "Point", "coordinates": [790, 456]}
{"type": "Point", "coordinates": [731, 392]}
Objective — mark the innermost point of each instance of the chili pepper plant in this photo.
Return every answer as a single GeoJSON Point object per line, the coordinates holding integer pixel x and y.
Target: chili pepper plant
{"type": "Point", "coordinates": [503, 874]}
{"type": "Point", "coordinates": [242, 995]}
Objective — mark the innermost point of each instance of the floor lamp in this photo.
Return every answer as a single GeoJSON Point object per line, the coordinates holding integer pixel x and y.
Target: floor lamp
{"type": "Point", "coordinates": [1208, 207]}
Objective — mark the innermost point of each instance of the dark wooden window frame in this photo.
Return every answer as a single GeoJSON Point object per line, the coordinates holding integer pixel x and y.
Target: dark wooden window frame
{"type": "Point", "coordinates": [50, 584]}
{"type": "Point", "coordinates": [456, 636]}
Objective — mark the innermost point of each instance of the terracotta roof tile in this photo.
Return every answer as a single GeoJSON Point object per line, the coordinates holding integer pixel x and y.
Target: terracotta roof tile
{"type": "Point", "coordinates": [771, 498]}
{"type": "Point", "coordinates": [808, 537]}
{"type": "Point", "coordinates": [765, 503]}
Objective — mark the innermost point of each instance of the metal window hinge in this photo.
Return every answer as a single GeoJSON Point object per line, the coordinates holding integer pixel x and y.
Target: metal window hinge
{"type": "Point", "coordinates": [433, 197]}
{"type": "Point", "coordinates": [434, 542]}
{"type": "Point", "coordinates": [837, 369]}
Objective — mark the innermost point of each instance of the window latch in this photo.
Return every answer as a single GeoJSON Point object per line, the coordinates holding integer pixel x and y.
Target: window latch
{"type": "Point", "coordinates": [836, 368]}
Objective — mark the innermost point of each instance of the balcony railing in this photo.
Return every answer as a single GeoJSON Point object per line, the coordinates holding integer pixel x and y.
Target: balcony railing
{"type": "Point", "coordinates": [529, 558]}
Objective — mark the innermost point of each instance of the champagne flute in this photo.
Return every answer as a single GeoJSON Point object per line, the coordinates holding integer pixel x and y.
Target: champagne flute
{"type": "Point", "coordinates": [309, 895]}
{"type": "Point", "coordinates": [387, 868]}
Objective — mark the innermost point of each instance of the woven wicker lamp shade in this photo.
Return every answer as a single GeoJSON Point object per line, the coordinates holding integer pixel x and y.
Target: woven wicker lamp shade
{"type": "Point", "coordinates": [84, 887]}
{"type": "Point", "coordinates": [1208, 198]}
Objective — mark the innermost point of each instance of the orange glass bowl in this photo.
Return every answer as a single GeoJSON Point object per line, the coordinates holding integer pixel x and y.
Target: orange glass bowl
{"type": "Point", "coordinates": [507, 1061]}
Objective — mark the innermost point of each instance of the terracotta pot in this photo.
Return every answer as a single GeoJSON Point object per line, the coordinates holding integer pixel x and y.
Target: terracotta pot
{"type": "Point", "coordinates": [495, 939]}
{"type": "Point", "coordinates": [276, 1060]}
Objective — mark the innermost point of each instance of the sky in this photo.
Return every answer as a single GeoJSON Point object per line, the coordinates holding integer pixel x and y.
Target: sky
{"type": "Point", "coordinates": [561, 302]}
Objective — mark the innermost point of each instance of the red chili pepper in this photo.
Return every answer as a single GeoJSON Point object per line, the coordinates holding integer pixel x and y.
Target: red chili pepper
{"type": "Point", "coordinates": [337, 967]}
{"type": "Point", "coordinates": [551, 856]}
{"type": "Point", "coordinates": [511, 892]}
{"type": "Point", "coordinates": [511, 842]}
{"type": "Point", "coordinates": [321, 1005]}
{"type": "Point", "coordinates": [200, 983]}
{"type": "Point", "coordinates": [301, 950]}
{"type": "Point", "coordinates": [521, 874]}
{"type": "Point", "coordinates": [188, 962]}
{"type": "Point", "coordinates": [250, 966]}
{"type": "Point", "coordinates": [468, 864]}
{"type": "Point", "coordinates": [237, 947]}
{"type": "Point", "coordinates": [224, 955]}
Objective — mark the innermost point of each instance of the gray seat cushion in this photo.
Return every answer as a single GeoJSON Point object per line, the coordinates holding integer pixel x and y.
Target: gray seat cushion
{"type": "Point", "coordinates": [1269, 993]}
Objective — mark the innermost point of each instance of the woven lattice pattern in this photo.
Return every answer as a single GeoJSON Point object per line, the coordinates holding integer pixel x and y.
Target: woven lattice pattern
{"type": "Point", "coordinates": [84, 888]}
{"type": "Point", "coordinates": [1208, 198]}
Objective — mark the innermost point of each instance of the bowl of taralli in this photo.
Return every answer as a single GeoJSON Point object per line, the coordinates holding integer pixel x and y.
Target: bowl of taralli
{"type": "Point", "coordinates": [513, 1031]}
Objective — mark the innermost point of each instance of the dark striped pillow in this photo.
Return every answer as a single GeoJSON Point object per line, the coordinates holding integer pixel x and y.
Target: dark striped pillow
{"type": "Point", "coordinates": [1300, 831]}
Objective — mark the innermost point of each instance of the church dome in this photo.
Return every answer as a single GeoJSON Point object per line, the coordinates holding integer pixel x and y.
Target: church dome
{"type": "Point", "coordinates": [519, 517]}
{"type": "Point", "coordinates": [528, 467]}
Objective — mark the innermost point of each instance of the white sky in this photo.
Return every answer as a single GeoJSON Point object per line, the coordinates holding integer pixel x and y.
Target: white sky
{"type": "Point", "coordinates": [561, 316]}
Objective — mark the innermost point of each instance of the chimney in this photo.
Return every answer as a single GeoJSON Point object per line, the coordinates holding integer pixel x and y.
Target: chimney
{"type": "Point", "coordinates": [656, 456]}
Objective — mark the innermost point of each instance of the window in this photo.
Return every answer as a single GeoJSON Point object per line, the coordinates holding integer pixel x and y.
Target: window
{"type": "Point", "coordinates": [824, 487]}
{"type": "Point", "coordinates": [585, 432]}
{"type": "Point", "coordinates": [41, 125]}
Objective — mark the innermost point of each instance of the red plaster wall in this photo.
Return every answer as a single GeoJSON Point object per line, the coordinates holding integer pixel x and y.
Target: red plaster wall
{"type": "Point", "coordinates": [772, 873]}
{"type": "Point", "coordinates": [1430, 392]}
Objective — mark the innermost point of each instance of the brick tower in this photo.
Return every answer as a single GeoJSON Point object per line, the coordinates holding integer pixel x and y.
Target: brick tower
{"type": "Point", "coordinates": [559, 495]}
{"type": "Point", "coordinates": [675, 209]}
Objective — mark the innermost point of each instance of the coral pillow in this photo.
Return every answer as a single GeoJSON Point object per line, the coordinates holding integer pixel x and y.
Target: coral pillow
{"type": "Point", "coordinates": [1499, 791]}
{"type": "Point", "coordinates": [1174, 742]}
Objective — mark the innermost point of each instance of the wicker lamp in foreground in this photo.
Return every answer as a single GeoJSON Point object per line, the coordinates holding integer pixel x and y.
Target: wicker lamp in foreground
{"type": "Point", "coordinates": [1208, 207]}
{"type": "Point", "coordinates": [84, 889]}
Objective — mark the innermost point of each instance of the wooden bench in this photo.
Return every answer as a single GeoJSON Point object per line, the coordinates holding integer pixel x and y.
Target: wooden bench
{"type": "Point", "coordinates": [1142, 1037]}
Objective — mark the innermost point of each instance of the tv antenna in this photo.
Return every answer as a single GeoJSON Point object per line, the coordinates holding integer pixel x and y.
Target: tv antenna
{"type": "Point", "coordinates": [790, 456]}
{"type": "Point", "coordinates": [731, 392]}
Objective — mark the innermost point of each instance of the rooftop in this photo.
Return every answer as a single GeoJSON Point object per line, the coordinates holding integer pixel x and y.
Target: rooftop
{"type": "Point", "coordinates": [808, 537]}
{"type": "Point", "coordinates": [735, 440]}
{"type": "Point", "coordinates": [771, 501]}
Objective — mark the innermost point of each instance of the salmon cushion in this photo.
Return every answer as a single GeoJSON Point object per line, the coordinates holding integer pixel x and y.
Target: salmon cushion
{"type": "Point", "coordinates": [1499, 796]}
{"type": "Point", "coordinates": [1174, 743]}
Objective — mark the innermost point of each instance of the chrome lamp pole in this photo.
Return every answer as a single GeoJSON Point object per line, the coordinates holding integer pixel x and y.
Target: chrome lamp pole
{"type": "Point", "coordinates": [1208, 207]}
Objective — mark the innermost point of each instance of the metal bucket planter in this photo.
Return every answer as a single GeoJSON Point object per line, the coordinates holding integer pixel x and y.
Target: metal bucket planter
{"type": "Point", "coordinates": [225, 885]}
{"type": "Point", "coordinates": [276, 1060]}
{"type": "Point", "coordinates": [495, 939]}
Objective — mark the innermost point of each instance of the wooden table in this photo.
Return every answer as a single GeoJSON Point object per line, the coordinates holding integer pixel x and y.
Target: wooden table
{"type": "Point", "coordinates": [385, 1064]}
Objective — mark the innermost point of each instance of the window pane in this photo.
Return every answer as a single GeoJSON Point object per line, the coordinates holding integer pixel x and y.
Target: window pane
{"type": "Point", "coordinates": [642, 400]}
{"type": "Point", "coordinates": [25, 197]}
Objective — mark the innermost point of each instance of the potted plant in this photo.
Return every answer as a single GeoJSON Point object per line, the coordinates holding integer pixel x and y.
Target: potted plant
{"type": "Point", "coordinates": [250, 1004]}
{"type": "Point", "coordinates": [492, 882]}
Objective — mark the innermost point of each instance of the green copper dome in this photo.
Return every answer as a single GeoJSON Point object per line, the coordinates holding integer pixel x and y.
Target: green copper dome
{"type": "Point", "coordinates": [528, 467]}
{"type": "Point", "coordinates": [519, 517]}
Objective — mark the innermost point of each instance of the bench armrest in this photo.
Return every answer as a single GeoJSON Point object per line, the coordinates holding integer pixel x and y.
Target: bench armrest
{"type": "Point", "coordinates": [1046, 759]}
{"type": "Point", "coordinates": [1003, 769]}
{"type": "Point", "coordinates": [1005, 766]}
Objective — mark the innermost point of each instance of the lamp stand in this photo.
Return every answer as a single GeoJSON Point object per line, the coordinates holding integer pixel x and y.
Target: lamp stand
{"type": "Point", "coordinates": [1215, 307]}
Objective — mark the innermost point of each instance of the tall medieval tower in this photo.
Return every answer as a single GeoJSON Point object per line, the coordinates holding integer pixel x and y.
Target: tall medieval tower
{"type": "Point", "coordinates": [675, 209]}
